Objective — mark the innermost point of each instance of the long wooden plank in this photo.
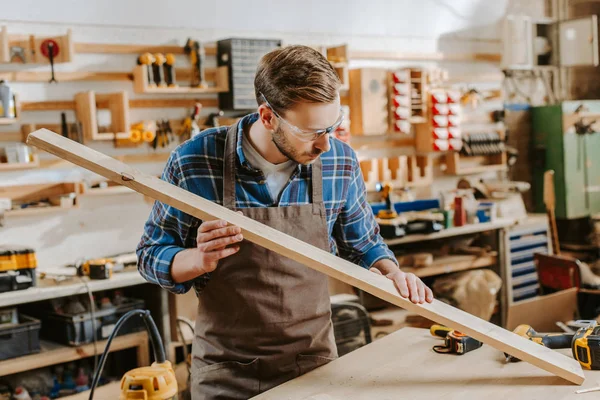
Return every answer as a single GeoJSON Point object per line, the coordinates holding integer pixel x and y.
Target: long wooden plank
{"type": "Point", "coordinates": [306, 254]}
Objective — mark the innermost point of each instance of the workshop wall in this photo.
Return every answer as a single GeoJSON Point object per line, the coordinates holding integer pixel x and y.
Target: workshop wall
{"type": "Point", "coordinates": [112, 224]}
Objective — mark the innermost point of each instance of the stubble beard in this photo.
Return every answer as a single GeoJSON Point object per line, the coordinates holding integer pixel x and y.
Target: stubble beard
{"type": "Point", "coordinates": [287, 149]}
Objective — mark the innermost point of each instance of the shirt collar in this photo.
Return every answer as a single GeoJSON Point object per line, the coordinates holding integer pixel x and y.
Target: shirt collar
{"type": "Point", "coordinates": [244, 122]}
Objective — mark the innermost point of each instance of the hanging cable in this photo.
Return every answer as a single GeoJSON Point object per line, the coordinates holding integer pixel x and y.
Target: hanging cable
{"type": "Point", "coordinates": [155, 340]}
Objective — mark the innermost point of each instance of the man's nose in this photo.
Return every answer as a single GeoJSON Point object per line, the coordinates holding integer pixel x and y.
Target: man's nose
{"type": "Point", "coordinates": [322, 143]}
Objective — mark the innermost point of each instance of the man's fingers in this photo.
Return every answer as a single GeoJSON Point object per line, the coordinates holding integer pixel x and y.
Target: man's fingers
{"type": "Point", "coordinates": [401, 285]}
{"type": "Point", "coordinates": [220, 254]}
{"type": "Point", "coordinates": [428, 295]}
{"type": "Point", "coordinates": [421, 286]}
{"type": "Point", "coordinates": [411, 281]}
{"type": "Point", "coordinates": [221, 242]}
{"type": "Point", "coordinates": [218, 233]}
{"type": "Point", "coordinates": [211, 225]}
{"type": "Point", "coordinates": [375, 271]}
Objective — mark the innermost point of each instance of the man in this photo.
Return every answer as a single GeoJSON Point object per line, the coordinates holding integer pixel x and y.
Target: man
{"type": "Point", "coordinates": [264, 319]}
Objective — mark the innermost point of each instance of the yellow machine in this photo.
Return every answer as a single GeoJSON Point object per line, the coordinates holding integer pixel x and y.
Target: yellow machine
{"type": "Point", "coordinates": [17, 268]}
{"type": "Point", "coordinates": [585, 343]}
{"type": "Point", "coordinates": [156, 382]}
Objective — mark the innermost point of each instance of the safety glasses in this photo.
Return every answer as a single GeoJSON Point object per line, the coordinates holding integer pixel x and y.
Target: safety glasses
{"type": "Point", "coordinates": [306, 136]}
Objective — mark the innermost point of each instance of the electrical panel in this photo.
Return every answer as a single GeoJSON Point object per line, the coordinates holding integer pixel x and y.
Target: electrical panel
{"type": "Point", "coordinates": [528, 44]}
{"type": "Point", "coordinates": [241, 56]}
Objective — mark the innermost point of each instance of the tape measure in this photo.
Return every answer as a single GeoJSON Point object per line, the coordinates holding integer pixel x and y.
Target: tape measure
{"type": "Point", "coordinates": [454, 341]}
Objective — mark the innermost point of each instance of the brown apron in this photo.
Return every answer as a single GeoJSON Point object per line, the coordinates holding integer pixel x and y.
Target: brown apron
{"type": "Point", "coordinates": [263, 319]}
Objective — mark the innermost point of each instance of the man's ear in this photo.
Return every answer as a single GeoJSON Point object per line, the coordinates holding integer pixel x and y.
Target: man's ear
{"type": "Point", "coordinates": [267, 117]}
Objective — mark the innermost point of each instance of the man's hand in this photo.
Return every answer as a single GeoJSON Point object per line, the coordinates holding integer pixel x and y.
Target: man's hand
{"type": "Point", "coordinates": [211, 246]}
{"type": "Point", "coordinates": [408, 285]}
{"type": "Point", "coordinates": [212, 240]}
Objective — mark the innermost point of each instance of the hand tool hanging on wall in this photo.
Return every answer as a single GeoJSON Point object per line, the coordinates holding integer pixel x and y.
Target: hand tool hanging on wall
{"type": "Point", "coordinates": [63, 125]}
{"type": "Point", "coordinates": [157, 70]}
{"type": "Point", "coordinates": [50, 49]}
{"type": "Point", "coordinates": [195, 51]}
{"type": "Point", "coordinates": [170, 70]}
{"type": "Point", "coordinates": [147, 59]}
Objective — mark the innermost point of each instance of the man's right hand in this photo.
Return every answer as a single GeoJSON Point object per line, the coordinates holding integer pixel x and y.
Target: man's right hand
{"type": "Point", "coordinates": [212, 241]}
{"type": "Point", "coordinates": [211, 246]}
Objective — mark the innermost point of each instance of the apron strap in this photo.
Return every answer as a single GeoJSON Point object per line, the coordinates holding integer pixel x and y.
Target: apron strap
{"type": "Point", "coordinates": [317, 184]}
{"type": "Point", "coordinates": [229, 164]}
{"type": "Point", "coordinates": [229, 167]}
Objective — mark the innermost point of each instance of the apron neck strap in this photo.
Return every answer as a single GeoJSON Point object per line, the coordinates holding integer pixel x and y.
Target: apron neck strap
{"type": "Point", "coordinates": [229, 165]}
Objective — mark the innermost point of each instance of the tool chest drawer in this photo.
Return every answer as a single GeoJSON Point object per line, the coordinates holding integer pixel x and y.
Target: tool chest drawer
{"type": "Point", "coordinates": [523, 242]}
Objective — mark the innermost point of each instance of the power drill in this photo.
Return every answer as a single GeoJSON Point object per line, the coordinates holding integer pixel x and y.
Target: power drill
{"type": "Point", "coordinates": [585, 343]}
{"type": "Point", "coordinates": [586, 347]}
{"type": "Point", "coordinates": [549, 340]}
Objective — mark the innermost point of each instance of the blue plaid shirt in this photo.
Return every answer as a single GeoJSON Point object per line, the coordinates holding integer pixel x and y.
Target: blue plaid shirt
{"type": "Point", "coordinates": [197, 166]}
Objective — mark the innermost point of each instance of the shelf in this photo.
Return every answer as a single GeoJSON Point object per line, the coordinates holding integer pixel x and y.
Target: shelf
{"type": "Point", "coordinates": [141, 84]}
{"type": "Point", "coordinates": [36, 211]}
{"type": "Point", "coordinates": [463, 165]}
{"type": "Point", "coordinates": [112, 189]}
{"type": "Point", "coordinates": [54, 353]}
{"type": "Point", "coordinates": [69, 288]}
{"type": "Point", "coordinates": [52, 192]}
{"type": "Point", "coordinates": [456, 231]}
{"type": "Point", "coordinates": [481, 169]}
{"type": "Point", "coordinates": [453, 263]}
{"type": "Point", "coordinates": [20, 166]}
{"type": "Point", "coordinates": [8, 121]}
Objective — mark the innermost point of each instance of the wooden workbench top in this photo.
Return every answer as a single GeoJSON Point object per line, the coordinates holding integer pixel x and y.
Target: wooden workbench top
{"type": "Point", "coordinates": [403, 366]}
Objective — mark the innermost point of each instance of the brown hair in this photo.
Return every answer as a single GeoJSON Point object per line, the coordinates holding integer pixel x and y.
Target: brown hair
{"type": "Point", "coordinates": [294, 74]}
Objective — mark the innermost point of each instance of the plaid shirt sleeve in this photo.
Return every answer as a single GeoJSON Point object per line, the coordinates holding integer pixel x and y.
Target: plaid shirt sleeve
{"type": "Point", "coordinates": [356, 230]}
{"type": "Point", "coordinates": [166, 233]}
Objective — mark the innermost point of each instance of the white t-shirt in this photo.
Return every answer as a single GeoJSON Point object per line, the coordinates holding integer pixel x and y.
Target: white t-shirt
{"type": "Point", "coordinates": [277, 175]}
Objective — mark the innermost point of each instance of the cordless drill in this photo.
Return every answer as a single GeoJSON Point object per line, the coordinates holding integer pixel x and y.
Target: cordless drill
{"type": "Point", "coordinates": [586, 347]}
{"type": "Point", "coordinates": [549, 340]}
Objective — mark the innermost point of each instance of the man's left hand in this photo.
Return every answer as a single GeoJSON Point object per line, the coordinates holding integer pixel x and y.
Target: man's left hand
{"type": "Point", "coordinates": [408, 284]}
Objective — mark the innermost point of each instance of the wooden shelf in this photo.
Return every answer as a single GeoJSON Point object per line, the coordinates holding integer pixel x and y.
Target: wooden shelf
{"type": "Point", "coordinates": [454, 263]}
{"type": "Point", "coordinates": [36, 211]}
{"type": "Point", "coordinates": [141, 84]}
{"type": "Point", "coordinates": [464, 165]}
{"type": "Point", "coordinates": [109, 191]}
{"type": "Point", "coordinates": [48, 289]}
{"type": "Point", "coordinates": [20, 166]}
{"type": "Point", "coordinates": [8, 121]}
{"type": "Point", "coordinates": [481, 169]}
{"type": "Point", "coordinates": [54, 353]}
{"type": "Point", "coordinates": [32, 193]}
{"type": "Point", "coordinates": [450, 232]}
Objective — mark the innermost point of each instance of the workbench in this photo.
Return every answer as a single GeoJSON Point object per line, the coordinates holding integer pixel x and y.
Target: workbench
{"type": "Point", "coordinates": [403, 365]}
